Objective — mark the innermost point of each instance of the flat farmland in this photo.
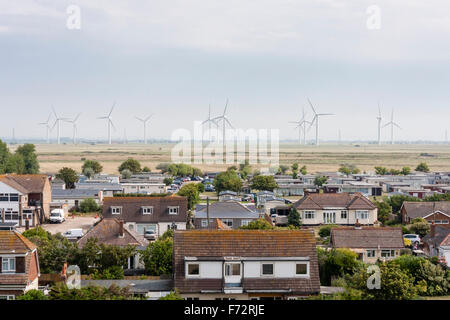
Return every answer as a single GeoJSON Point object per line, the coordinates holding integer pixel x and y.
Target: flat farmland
{"type": "Point", "coordinates": [322, 158]}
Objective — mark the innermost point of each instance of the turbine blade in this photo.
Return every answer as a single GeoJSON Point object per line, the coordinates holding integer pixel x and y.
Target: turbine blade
{"type": "Point", "coordinates": [312, 107]}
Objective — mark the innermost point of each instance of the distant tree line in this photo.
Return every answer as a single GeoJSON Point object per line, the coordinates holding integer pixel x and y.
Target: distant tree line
{"type": "Point", "coordinates": [23, 161]}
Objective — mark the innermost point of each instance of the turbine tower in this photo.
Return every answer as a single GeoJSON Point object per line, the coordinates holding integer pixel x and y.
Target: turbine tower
{"type": "Point", "coordinates": [301, 125]}
{"type": "Point", "coordinates": [392, 124]}
{"type": "Point", "coordinates": [74, 126]}
{"type": "Point", "coordinates": [58, 126]}
{"type": "Point", "coordinates": [225, 121]}
{"type": "Point", "coordinates": [379, 118]}
{"type": "Point", "coordinates": [316, 120]}
{"type": "Point", "coordinates": [210, 121]}
{"type": "Point", "coordinates": [48, 127]}
{"type": "Point", "coordinates": [144, 122]}
{"type": "Point", "coordinates": [110, 123]}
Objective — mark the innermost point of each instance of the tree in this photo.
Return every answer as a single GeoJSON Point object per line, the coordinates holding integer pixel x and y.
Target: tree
{"type": "Point", "coordinates": [419, 226]}
{"type": "Point", "coordinates": [163, 167]}
{"type": "Point", "coordinates": [173, 295]}
{"type": "Point", "coordinates": [423, 167]}
{"type": "Point", "coordinates": [69, 176]}
{"type": "Point", "coordinates": [406, 171]}
{"type": "Point", "coordinates": [266, 183]}
{"type": "Point", "coordinates": [228, 180]}
{"type": "Point", "coordinates": [294, 169]}
{"type": "Point", "coordinates": [325, 230]}
{"type": "Point", "coordinates": [131, 164]}
{"type": "Point", "coordinates": [200, 187]}
{"type": "Point", "coordinates": [303, 170]}
{"type": "Point", "coordinates": [294, 218]}
{"type": "Point", "coordinates": [384, 210]}
{"type": "Point", "coordinates": [168, 181]}
{"type": "Point", "coordinates": [92, 164]}
{"type": "Point", "coordinates": [336, 263]}
{"type": "Point", "coordinates": [349, 169]}
{"type": "Point", "coordinates": [190, 191]}
{"type": "Point", "coordinates": [260, 224]}
{"type": "Point", "coordinates": [396, 201]}
{"type": "Point", "coordinates": [126, 174]}
{"type": "Point", "coordinates": [89, 205]}
{"type": "Point", "coordinates": [282, 169]}
{"type": "Point", "coordinates": [60, 291]}
{"type": "Point", "coordinates": [28, 153]}
{"type": "Point", "coordinates": [33, 294]}
{"type": "Point", "coordinates": [4, 155]}
{"type": "Point", "coordinates": [245, 169]}
{"type": "Point", "coordinates": [15, 164]}
{"type": "Point", "coordinates": [146, 169]}
{"type": "Point", "coordinates": [320, 180]}
{"type": "Point", "coordinates": [157, 257]}
{"type": "Point", "coordinates": [382, 171]}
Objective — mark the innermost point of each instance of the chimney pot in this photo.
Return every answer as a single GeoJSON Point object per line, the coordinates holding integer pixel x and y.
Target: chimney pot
{"type": "Point", "coordinates": [121, 228]}
{"type": "Point", "coordinates": [27, 224]}
{"type": "Point", "coordinates": [357, 224]}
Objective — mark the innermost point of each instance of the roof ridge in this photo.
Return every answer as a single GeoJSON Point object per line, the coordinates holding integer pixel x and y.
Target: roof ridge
{"type": "Point", "coordinates": [25, 240]}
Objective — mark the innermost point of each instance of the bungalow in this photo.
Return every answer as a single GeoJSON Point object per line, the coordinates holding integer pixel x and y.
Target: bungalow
{"type": "Point", "coordinates": [19, 265]}
{"type": "Point", "coordinates": [336, 208]}
{"type": "Point", "coordinates": [231, 213]}
{"type": "Point", "coordinates": [245, 264]}
{"type": "Point", "coordinates": [435, 212]}
{"type": "Point", "coordinates": [229, 195]}
{"type": "Point", "coordinates": [437, 243]}
{"type": "Point", "coordinates": [370, 243]}
{"type": "Point", "coordinates": [108, 189]}
{"type": "Point", "coordinates": [74, 197]}
{"type": "Point", "coordinates": [112, 232]}
{"type": "Point", "coordinates": [148, 213]}
{"type": "Point", "coordinates": [143, 187]}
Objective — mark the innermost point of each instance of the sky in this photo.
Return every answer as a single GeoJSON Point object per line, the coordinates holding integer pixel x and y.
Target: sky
{"type": "Point", "coordinates": [174, 58]}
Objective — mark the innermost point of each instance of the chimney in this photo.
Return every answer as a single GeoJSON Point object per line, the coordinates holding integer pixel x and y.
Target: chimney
{"type": "Point", "coordinates": [64, 272]}
{"type": "Point", "coordinates": [121, 228]}
{"type": "Point", "coordinates": [27, 224]}
{"type": "Point", "coordinates": [357, 224]}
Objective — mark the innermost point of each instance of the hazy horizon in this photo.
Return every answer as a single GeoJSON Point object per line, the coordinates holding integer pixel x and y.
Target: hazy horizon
{"type": "Point", "coordinates": [173, 58]}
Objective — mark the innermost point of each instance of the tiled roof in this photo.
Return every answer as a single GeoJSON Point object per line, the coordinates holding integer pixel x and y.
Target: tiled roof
{"type": "Point", "coordinates": [245, 243]}
{"type": "Point", "coordinates": [226, 209]}
{"type": "Point", "coordinates": [33, 183]}
{"type": "Point", "coordinates": [338, 200]}
{"type": "Point", "coordinates": [107, 232]}
{"type": "Point", "coordinates": [13, 240]}
{"type": "Point", "coordinates": [136, 286]}
{"type": "Point", "coordinates": [74, 193]}
{"type": "Point", "coordinates": [367, 237]}
{"type": "Point", "coordinates": [422, 209]}
{"type": "Point", "coordinates": [440, 234]}
{"type": "Point", "coordinates": [446, 241]}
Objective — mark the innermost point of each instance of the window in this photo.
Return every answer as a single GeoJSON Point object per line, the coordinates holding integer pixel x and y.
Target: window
{"type": "Point", "coordinates": [228, 222]}
{"type": "Point", "coordinates": [7, 297]}
{"type": "Point", "coordinates": [232, 269]}
{"type": "Point", "coordinates": [370, 253]}
{"type": "Point", "coordinates": [4, 197]}
{"type": "Point", "coordinates": [362, 214]}
{"type": "Point", "coordinates": [204, 223]}
{"type": "Point", "coordinates": [309, 214]}
{"type": "Point", "coordinates": [8, 265]}
{"type": "Point", "coordinates": [245, 222]}
{"type": "Point", "coordinates": [193, 269]}
{"type": "Point", "coordinates": [344, 214]}
{"type": "Point", "coordinates": [173, 210]}
{"type": "Point", "coordinates": [116, 210]}
{"type": "Point", "coordinates": [142, 227]}
{"type": "Point", "coordinates": [387, 253]}
{"type": "Point", "coordinates": [267, 269]}
{"type": "Point", "coordinates": [301, 269]}
{"type": "Point", "coordinates": [441, 221]}
{"type": "Point", "coordinates": [14, 197]}
{"type": "Point", "coordinates": [147, 210]}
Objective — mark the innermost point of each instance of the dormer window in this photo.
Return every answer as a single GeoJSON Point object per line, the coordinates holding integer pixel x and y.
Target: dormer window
{"type": "Point", "coordinates": [8, 265]}
{"type": "Point", "coordinates": [173, 210]}
{"type": "Point", "coordinates": [116, 210]}
{"type": "Point", "coordinates": [147, 210]}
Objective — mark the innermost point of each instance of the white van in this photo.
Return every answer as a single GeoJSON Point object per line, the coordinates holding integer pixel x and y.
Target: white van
{"type": "Point", "coordinates": [73, 234]}
{"type": "Point", "coordinates": [57, 216]}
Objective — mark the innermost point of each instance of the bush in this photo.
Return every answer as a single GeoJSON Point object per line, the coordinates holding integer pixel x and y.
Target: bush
{"type": "Point", "coordinates": [157, 257]}
{"type": "Point", "coordinates": [89, 205]}
{"type": "Point", "coordinates": [260, 224]}
{"type": "Point", "coordinates": [325, 230]}
{"type": "Point", "coordinates": [110, 273]}
{"type": "Point", "coordinates": [336, 263]}
{"type": "Point", "coordinates": [60, 291]}
{"type": "Point", "coordinates": [174, 295]}
{"type": "Point", "coordinates": [33, 294]}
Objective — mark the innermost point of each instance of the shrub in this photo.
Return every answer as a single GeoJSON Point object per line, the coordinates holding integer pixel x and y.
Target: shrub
{"type": "Point", "coordinates": [260, 224]}
{"type": "Point", "coordinates": [89, 205]}
{"type": "Point", "coordinates": [33, 294]}
{"type": "Point", "coordinates": [325, 230]}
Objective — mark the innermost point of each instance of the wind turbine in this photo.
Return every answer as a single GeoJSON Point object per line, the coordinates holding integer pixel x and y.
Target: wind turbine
{"type": "Point", "coordinates": [301, 125]}
{"type": "Point", "coordinates": [48, 127]}
{"type": "Point", "coordinates": [225, 121]}
{"type": "Point", "coordinates": [379, 118]}
{"type": "Point", "coordinates": [316, 120]}
{"type": "Point", "coordinates": [209, 121]}
{"type": "Point", "coordinates": [144, 122]}
{"type": "Point", "coordinates": [57, 123]}
{"type": "Point", "coordinates": [74, 126]}
{"type": "Point", "coordinates": [110, 123]}
{"type": "Point", "coordinates": [392, 124]}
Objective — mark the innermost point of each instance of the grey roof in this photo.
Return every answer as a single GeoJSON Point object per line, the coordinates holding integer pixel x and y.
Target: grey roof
{"type": "Point", "coordinates": [136, 286]}
{"type": "Point", "coordinates": [422, 209]}
{"type": "Point", "coordinates": [228, 192]}
{"type": "Point", "coordinates": [226, 209]}
{"type": "Point", "coordinates": [440, 233]}
{"type": "Point", "coordinates": [74, 193]}
{"type": "Point", "coordinates": [99, 186]}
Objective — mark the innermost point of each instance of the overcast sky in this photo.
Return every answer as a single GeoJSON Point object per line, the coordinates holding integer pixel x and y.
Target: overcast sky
{"type": "Point", "coordinates": [173, 58]}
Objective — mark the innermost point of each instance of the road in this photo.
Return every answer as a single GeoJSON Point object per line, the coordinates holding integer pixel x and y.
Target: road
{"type": "Point", "coordinates": [78, 222]}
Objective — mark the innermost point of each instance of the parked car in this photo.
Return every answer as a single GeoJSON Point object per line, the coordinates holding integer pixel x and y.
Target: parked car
{"type": "Point", "coordinates": [57, 216]}
{"type": "Point", "coordinates": [172, 190]}
{"type": "Point", "coordinates": [73, 234]}
{"type": "Point", "coordinates": [209, 188]}
{"type": "Point", "coordinates": [150, 235]}
{"type": "Point", "coordinates": [414, 238]}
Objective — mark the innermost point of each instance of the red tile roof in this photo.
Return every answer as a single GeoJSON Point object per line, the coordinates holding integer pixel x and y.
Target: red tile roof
{"type": "Point", "coordinates": [318, 201]}
{"type": "Point", "coordinates": [13, 240]}
{"type": "Point", "coordinates": [367, 237]}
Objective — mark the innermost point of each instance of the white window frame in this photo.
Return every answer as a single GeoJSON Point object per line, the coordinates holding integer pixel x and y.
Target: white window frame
{"type": "Point", "coordinates": [114, 209]}
{"type": "Point", "coordinates": [225, 221]}
{"type": "Point", "coordinates": [8, 296]}
{"type": "Point", "coordinates": [359, 213]}
{"type": "Point", "coordinates": [307, 269]}
{"type": "Point", "coordinates": [371, 253]}
{"type": "Point", "coordinates": [193, 275]}
{"type": "Point", "coordinates": [309, 212]}
{"type": "Point", "coordinates": [9, 270]}
{"type": "Point", "coordinates": [148, 208]}
{"type": "Point", "coordinates": [344, 212]}
{"type": "Point", "coordinates": [204, 223]}
{"type": "Point", "coordinates": [245, 222]}
{"type": "Point", "coordinates": [231, 264]}
{"type": "Point", "coordinates": [262, 269]}
{"type": "Point", "coordinates": [391, 253]}
{"type": "Point", "coordinates": [172, 208]}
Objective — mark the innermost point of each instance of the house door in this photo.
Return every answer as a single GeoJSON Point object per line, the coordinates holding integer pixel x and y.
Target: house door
{"type": "Point", "coordinates": [329, 217]}
{"type": "Point", "coordinates": [233, 274]}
